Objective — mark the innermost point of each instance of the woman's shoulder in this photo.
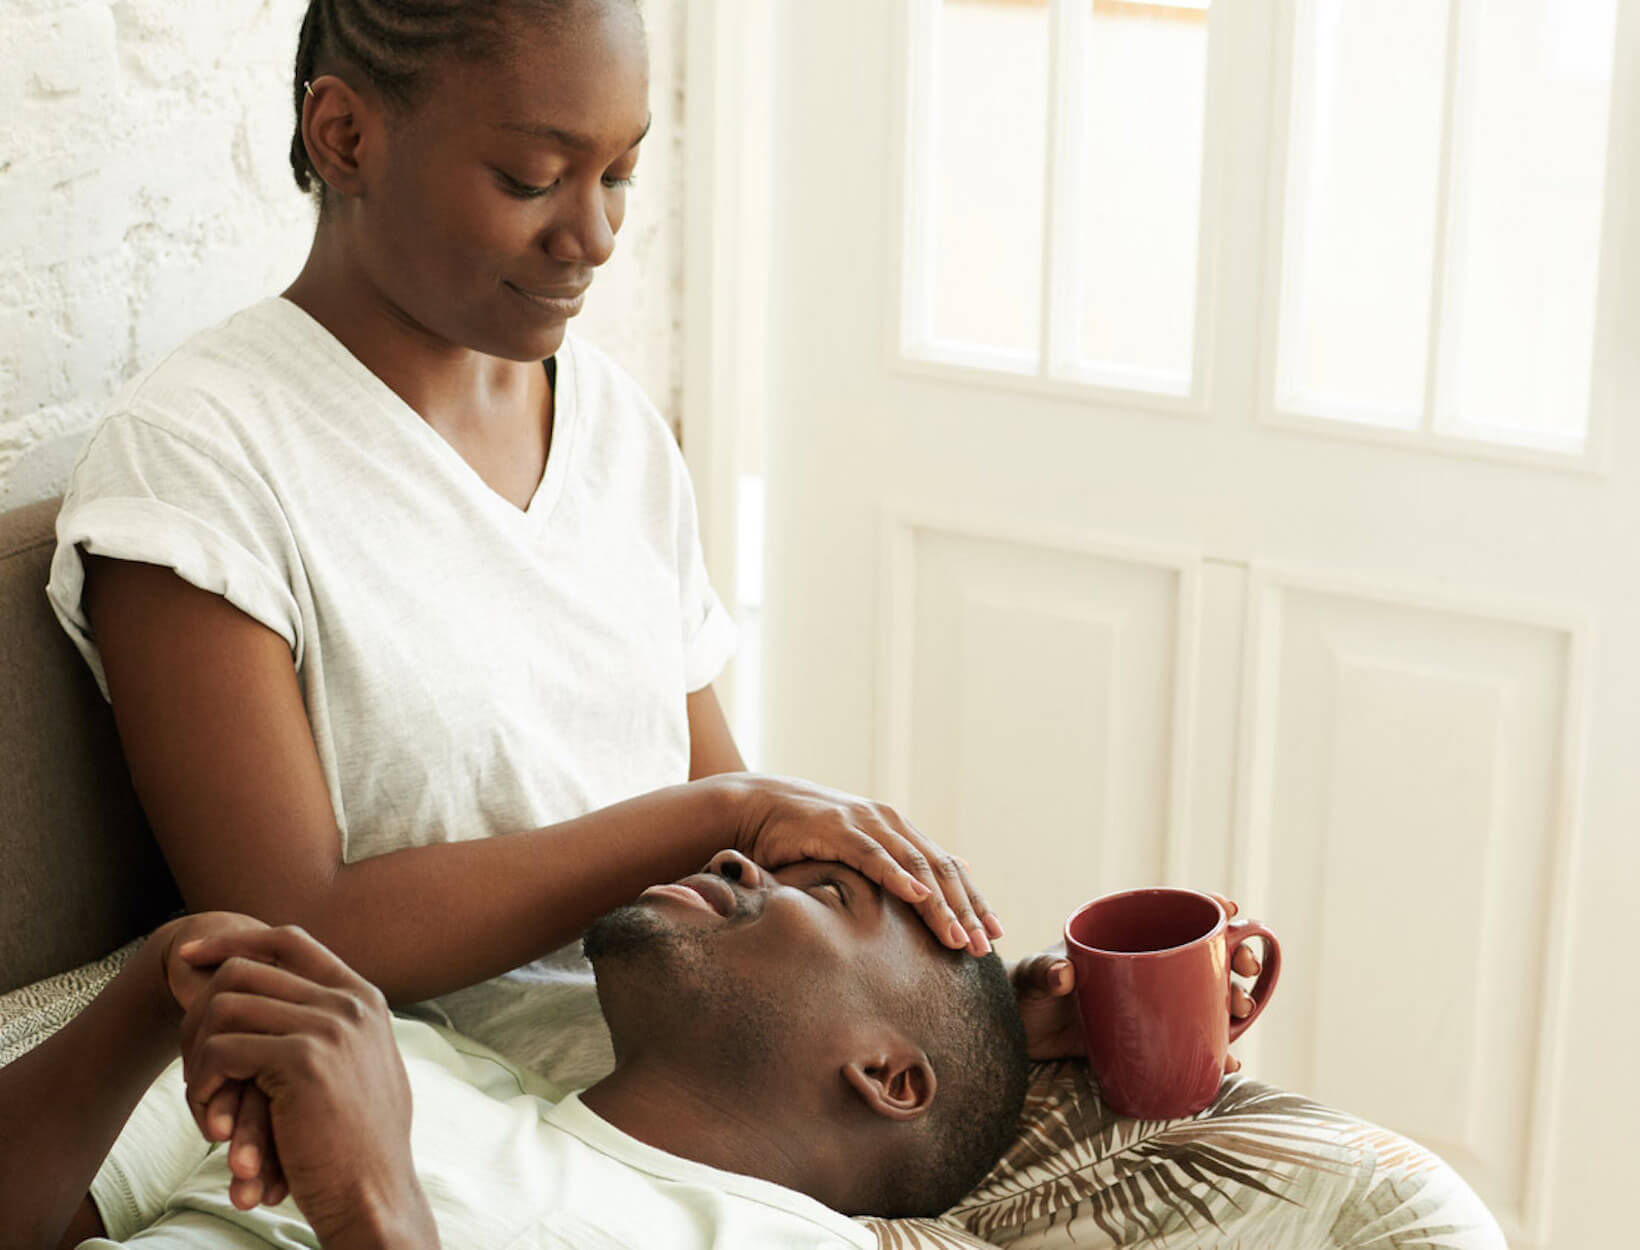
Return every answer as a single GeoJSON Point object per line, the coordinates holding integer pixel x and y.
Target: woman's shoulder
{"type": "Point", "coordinates": [613, 402]}
{"type": "Point", "coordinates": [233, 396]}
{"type": "Point", "coordinates": [210, 383]}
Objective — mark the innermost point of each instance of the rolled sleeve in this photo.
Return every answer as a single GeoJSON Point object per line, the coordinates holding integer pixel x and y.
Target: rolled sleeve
{"type": "Point", "coordinates": [142, 494]}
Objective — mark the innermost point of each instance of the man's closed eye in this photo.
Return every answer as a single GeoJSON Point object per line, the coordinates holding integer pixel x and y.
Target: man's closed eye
{"type": "Point", "coordinates": [835, 883]}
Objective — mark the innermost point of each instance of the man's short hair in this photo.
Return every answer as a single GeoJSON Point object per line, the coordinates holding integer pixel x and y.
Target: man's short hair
{"type": "Point", "coordinates": [969, 1026]}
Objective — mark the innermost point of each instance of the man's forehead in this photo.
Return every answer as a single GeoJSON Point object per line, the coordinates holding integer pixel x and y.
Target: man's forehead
{"type": "Point", "coordinates": [908, 939]}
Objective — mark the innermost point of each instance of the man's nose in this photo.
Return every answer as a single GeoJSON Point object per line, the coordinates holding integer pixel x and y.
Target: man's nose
{"type": "Point", "coordinates": [733, 866]}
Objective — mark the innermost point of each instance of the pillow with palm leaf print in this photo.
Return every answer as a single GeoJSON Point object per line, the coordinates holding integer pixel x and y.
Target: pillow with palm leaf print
{"type": "Point", "coordinates": [1260, 1167]}
{"type": "Point", "coordinates": [940, 1234]}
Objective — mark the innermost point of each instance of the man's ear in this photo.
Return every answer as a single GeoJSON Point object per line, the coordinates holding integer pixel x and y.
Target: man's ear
{"type": "Point", "coordinates": [334, 121]}
{"type": "Point", "coordinates": [896, 1082]}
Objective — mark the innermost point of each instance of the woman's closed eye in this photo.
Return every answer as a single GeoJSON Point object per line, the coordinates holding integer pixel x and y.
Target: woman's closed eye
{"type": "Point", "coordinates": [519, 189]}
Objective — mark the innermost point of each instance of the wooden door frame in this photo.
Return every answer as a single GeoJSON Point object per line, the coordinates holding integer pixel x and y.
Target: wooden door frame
{"type": "Point", "coordinates": [727, 203]}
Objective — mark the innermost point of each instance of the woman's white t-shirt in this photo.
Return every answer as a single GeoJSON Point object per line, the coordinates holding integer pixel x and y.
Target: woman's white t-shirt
{"type": "Point", "coordinates": [469, 668]}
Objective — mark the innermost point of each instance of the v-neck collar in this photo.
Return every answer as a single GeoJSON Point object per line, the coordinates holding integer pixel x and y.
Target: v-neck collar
{"type": "Point", "coordinates": [565, 417]}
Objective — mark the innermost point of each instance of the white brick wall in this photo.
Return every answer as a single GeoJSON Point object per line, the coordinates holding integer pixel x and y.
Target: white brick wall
{"type": "Point", "coordinates": [145, 192]}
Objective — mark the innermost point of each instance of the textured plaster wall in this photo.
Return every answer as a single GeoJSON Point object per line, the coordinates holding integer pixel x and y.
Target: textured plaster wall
{"type": "Point", "coordinates": [145, 193]}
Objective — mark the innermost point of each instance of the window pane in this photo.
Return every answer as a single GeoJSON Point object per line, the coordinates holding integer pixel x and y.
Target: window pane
{"type": "Point", "coordinates": [989, 131]}
{"type": "Point", "coordinates": [1531, 178]}
{"type": "Point", "coordinates": [1144, 85]}
{"type": "Point", "coordinates": [1362, 174]}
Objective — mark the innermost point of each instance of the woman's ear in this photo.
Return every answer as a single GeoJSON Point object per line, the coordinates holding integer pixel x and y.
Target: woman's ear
{"type": "Point", "coordinates": [898, 1083]}
{"type": "Point", "coordinates": [335, 119]}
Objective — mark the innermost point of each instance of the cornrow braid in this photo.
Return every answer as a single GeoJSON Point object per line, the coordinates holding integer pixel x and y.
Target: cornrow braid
{"type": "Point", "coordinates": [391, 44]}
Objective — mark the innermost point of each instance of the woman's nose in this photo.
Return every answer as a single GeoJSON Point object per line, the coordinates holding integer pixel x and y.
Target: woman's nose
{"type": "Point", "coordinates": [733, 866]}
{"type": "Point", "coordinates": [584, 234]}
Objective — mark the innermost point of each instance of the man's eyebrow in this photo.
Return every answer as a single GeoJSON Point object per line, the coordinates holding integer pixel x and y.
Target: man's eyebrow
{"type": "Point", "coordinates": [570, 139]}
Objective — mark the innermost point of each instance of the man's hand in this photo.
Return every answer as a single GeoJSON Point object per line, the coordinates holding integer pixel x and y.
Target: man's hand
{"type": "Point", "coordinates": [239, 1112]}
{"type": "Point", "coordinates": [1044, 985]}
{"type": "Point", "coordinates": [276, 1011]}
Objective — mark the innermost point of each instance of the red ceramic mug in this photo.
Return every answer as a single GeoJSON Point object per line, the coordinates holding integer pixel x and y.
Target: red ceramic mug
{"type": "Point", "coordinates": [1153, 985]}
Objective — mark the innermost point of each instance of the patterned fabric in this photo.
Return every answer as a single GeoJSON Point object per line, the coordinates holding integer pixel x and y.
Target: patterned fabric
{"type": "Point", "coordinates": [1259, 1168]}
{"type": "Point", "coordinates": [33, 1013]}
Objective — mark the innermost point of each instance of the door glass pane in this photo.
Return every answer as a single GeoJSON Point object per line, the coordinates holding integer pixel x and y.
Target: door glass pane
{"type": "Point", "coordinates": [1530, 181]}
{"type": "Point", "coordinates": [1362, 174]}
{"type": "Point", "coordinates": [987, 137]}
{"type": "Point", "coordinates": [1143, 100]}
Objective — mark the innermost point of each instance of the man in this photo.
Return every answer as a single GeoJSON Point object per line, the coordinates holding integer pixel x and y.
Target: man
{"type": "Point", "coordinates": [789, 1046]}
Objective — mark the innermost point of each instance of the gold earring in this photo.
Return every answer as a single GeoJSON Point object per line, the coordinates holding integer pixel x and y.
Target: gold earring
{"type": "Point", "coordinates": [308, 85]}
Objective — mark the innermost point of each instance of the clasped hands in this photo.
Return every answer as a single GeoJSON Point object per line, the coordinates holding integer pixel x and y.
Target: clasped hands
{"type": "Point", "coordinates": [288, 1055]}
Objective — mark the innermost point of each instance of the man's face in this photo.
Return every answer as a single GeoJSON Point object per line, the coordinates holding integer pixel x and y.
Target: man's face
{"type": "Point", "coordinates": [758, 967]}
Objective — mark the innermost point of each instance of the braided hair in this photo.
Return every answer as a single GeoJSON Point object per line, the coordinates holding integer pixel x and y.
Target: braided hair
{"type": "Point", "coordinates": [392, 44]}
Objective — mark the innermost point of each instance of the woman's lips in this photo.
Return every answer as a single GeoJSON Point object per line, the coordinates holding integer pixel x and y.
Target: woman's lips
{"type": "Point", "coordinates": [558, 303]}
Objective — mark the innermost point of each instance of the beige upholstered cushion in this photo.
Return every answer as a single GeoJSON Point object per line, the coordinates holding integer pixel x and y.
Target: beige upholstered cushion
{"type": "Point", "coordinates": [79, 869]}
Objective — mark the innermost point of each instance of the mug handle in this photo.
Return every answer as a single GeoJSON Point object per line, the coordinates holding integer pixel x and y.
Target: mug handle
{"type": "Point", "coordinates": [1237, 932]}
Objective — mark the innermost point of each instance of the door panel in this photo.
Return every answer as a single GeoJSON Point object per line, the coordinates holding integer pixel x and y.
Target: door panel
{"type": "Point", "coordinates": [1040, 710]}
{"type": "Point", "coordinates": [1096, 630]}
{"type": "Point", "coordinates": [1410, 760]}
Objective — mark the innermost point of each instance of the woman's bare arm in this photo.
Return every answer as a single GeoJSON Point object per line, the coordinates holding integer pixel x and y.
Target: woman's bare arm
{"type": "Point", "coordinates": [712, 748]}
{"type": "Point", "coordinates": [214, 729]}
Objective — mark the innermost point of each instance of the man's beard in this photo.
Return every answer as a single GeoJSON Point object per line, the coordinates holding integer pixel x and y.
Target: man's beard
{"type": "Point", "coordinates": [622, 933]}
{"type": "Point", "coordinates": [681, 979]}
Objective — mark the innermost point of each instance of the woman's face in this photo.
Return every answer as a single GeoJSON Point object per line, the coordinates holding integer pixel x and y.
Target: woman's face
{"type": "Point", "coordinates": [489, 204]}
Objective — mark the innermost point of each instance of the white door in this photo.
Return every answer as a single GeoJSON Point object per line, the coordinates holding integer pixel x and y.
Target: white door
{"type": "Point", "coordinates": [1205, 451]}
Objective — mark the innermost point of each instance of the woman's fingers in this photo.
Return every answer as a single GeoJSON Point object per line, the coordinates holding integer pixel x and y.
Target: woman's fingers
{"type": "Point", "coordinates": [253, 1157]}
{"type": "Point", "coordinates": [787, 820]}
{"type": "Point", "coordinates": [910, 862]}
{"type": "Point", "coordinates": [273, 1174]}
{"type": "Point", "coordinates": [248, 1151]}
{"type": "Point", "coordinates": [288, 946]}
{"type": "Point", "coordinates": [251, 1132]}
{"type": "Point", "coordinates": [1240, 1004]}
{"type": "Point", "coordinates": [872, 859]}
{"type": "Point", "coordinates": [960, 899]}
{"type": "Point", "coordinates": [217, 1114]}
{"type": "Point", "coordinates": [963, 901]}
{"type": "Point", "coordinates": [990, 926]}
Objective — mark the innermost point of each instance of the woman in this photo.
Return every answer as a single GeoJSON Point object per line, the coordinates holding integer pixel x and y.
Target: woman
{"type": "Point", "coordinates": [408, 638]}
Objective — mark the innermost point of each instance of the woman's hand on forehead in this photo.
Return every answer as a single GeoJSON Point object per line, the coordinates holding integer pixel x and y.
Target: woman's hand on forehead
{"type": "Point", "coordinates": [785, 820]}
